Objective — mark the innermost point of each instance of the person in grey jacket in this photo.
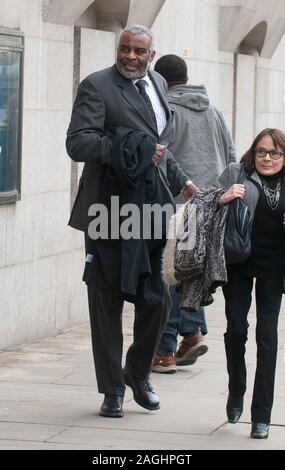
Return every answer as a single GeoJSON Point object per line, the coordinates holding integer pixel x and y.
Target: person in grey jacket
{"type": "Point", "coordinates": [263, 191]}
{"type": "Point", "coordinates": [201, 143]}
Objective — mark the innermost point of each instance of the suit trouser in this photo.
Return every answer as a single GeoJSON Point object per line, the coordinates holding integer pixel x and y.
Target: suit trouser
{"type": "Point", "coordinates": [152, 308]}
{"type": "Point", "coordinates": [237, 293]}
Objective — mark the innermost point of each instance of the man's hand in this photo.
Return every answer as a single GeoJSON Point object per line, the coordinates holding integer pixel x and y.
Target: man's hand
{"type": "Point", "coordinates": [158, 154]}
{"type": "Point", "coordinates": [188, 191]}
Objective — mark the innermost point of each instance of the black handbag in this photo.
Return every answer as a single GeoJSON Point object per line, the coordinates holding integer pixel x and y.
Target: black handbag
{"type": "Point", "coordinates": [237, 244]}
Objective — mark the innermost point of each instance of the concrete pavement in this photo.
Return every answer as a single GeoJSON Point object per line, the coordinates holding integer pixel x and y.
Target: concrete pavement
{"type": "Point", "coordinates": [49, 398]}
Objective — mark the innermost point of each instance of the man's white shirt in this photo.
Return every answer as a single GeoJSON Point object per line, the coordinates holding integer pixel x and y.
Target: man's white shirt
{"type": "Point", "coordinates": [156, 103]}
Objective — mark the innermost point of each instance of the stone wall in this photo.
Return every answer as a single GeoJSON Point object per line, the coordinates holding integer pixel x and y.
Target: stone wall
{"type": "Point", "coordinates": [41, 259]}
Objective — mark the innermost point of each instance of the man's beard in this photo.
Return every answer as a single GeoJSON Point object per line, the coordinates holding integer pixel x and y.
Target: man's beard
{"type": "Point", "coordinates": [139, 73]}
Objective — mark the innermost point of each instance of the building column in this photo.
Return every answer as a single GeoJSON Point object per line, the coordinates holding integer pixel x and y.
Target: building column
{"type": "Point", "coordinates": [244, 101]}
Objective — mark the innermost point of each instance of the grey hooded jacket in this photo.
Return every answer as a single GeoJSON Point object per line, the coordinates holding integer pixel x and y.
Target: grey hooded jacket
{"type": "Point", "coordinates": [200, 140]}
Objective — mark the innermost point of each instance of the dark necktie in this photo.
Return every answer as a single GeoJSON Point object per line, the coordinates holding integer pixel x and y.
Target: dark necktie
{"type": "Point", "coordinates": [141, 84]}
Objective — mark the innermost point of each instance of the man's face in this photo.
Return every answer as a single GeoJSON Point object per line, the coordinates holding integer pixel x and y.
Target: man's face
{"type": "Point", "coordinates": [134, 55]}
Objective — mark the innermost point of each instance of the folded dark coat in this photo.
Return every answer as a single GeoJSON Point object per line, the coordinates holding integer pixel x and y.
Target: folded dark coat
{"type": "Point", "coordinates": [131, 177]}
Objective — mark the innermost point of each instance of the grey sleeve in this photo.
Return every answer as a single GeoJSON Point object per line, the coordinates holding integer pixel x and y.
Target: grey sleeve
{"type": "Point", "coordinates": [173, 140]}
{"type": "Point", "coordinates": [229, 143]}
{"type": "Point", "coordinates": [231, 150]}
{"type": "Point", "coordinates": [86, 140]}
{"type": "Point", "coordinates": [229, 175]}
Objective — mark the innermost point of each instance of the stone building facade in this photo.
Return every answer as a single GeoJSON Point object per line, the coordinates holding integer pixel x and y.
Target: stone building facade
{"type": "Point", "coordinates": [235, 47]}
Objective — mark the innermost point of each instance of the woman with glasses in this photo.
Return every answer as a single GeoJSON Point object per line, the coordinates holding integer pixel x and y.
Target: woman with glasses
{"type": "Point", "coordinates": [263, 191]}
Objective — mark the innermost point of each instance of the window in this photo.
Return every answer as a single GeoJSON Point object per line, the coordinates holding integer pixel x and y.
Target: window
{"type": "Point", "coordinates": [11, 59]}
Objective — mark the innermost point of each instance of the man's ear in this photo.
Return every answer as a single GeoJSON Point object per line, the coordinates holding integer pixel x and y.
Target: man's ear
{"type": "Point", "coordinates": [152, 56]}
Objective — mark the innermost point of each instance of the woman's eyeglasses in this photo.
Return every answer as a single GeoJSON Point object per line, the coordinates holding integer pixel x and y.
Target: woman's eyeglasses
{"type": "Point", "coordinates": [273, 153]}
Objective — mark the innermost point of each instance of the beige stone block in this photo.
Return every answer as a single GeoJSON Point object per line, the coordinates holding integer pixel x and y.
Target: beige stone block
{"type": "Point", "coordinates": [10, 17]}
{"type": "Point", "coordinates": [24, 230]}
{"type": "Point", "coordinates": [264, 120]}
{"type": "Point", "coordinates": [217, 78]}
{"type": "Point", "coordinates": [224, 85]}
{"type": "Point", "coordinates": [29, 12]}
{"type": "Point", "coordinates": [57, 32]}
{"type": "Point", "coordinates": [245, 102]}
{"type": "Point", "coordinates": [3, 229]}
{"type": "Point", "coordinates": [206, 31]}
{"type": "Point", "coordinates": [58, 72]}
{"type": "Point", "coordinates": [45, 164]}
{"type": "Point", "coordinates": [95, 58]}
{"type": "Point", "coordinates": [71, 293]}
{"type": "Point", "coordinates": [62, 345]}
{"type": "Point", "coordinates": [270, 93]}
{"type": "Point", "coordinates": [174, 28]}
{"type": "Point", "coordinates": [27, 299]}
{"type": "Point", "coordinates": [226, 57]}
{"type": "Point", "coordinates": [277, 60]}
{"type": "Point", "coordinates": [38, 299]}
{"type": "Point", "coordinates": [188, 28]}
{"type": "Point", "coordinates": [77, 238]}
{"type": "Point", "coordinates": [23, 15]}
{"type": "Point", "coordinates": [48, 74]}
{"type": "Point", "coordinates": [11, 300]}
{"type": "Point", "coordinates": [57, 237]}
{"type": "Point", "coordinates": [34, 83]}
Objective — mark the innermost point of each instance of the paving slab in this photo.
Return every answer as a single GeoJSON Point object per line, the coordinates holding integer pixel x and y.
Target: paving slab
{"type": "Point", "coordinates": [49, 397]}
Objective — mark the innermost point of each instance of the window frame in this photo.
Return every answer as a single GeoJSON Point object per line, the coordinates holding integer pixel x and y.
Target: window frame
{"type": "Point", "coordinates": [8, 197]}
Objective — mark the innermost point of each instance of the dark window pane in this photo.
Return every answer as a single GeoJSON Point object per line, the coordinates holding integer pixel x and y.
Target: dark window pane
{"type": "Point", "coordinates": [9, 118]}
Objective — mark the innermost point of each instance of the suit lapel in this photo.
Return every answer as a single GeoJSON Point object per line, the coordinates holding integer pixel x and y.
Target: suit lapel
{"type": "Point", "coordinates": [132, 96]}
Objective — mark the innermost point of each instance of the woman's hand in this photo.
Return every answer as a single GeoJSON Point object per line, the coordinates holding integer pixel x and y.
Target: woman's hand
{"type": "Point", "coordinates": [236, 190]}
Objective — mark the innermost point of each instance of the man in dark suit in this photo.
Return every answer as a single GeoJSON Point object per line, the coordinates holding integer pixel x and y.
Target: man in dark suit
{"type": "Point", "coordinates": [107, 100]}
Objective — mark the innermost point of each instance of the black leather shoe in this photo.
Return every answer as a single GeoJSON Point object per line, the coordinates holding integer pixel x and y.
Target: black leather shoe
{"type": "Point", "coordinates": [112, 406]}
{"type": "Point", "coordinates": [143, 392]}
{"type": "Point", "coordinates": [234, 409]}
{"type": "Point", "coordinates": [259, 430]}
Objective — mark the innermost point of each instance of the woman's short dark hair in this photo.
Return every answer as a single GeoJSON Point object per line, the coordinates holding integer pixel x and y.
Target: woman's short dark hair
{"type": "Point", "coordinates": [278, 138]}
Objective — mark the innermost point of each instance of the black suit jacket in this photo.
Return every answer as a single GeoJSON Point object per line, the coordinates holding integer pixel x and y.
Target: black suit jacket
{"type": "Point", "coordinates": [107, 100]}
